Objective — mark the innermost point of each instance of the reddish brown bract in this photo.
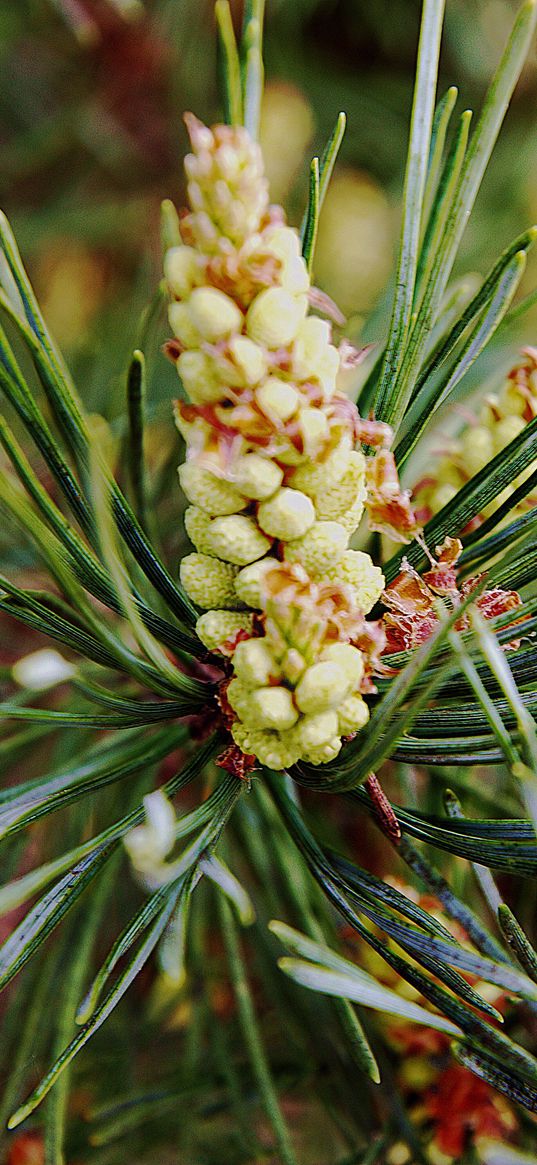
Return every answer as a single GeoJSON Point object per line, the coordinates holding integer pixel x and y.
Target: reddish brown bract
{"type": "Point", "coordinates": [411, 616]}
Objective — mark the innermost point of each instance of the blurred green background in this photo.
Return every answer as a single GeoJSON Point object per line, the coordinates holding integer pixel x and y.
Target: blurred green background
{"type": "Point", "coordinates": [91, 100]}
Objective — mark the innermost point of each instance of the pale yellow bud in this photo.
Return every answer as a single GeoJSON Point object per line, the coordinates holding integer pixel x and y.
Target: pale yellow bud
{"type": "Point", "coordinates": [292, 664]}
{"type": "Point", "coordinates": [254, 663]}
{"type": "Point", "coordinates": [323, 685]}
{"type": "Point", "coordinates": [212, 494]}
{"type": "Point", "coordinates": [323, 753]}
{"type": "Point", "coordinates": [197, 373]}
{"type": "Point", "coordinates": [274, 749]}
{"type": "Point", "coordinates": [287, 515]}
{"type": "Point", "coordinates": [274, 317]}
{"type": "Point", "coordinates": [197, 526]}
{"type": "Point", "coordinates": [314, 356]}
{"type": "Point", "coordinates": [205, 231]}
{"type": "Point", "coordinates": [226, 189]}
{"type": "Point", "coordinates": [228, 162]}
{"type": "Point", "coordinates": [214, 628]}
{"type": "Point", "coordinates": [196, 432]}
{"type": "Point", "coordinates": [248, 581]}
{"type": "Point", "coordinates": [237, 539]}
{"type": "Point", "coordinates": [257, 477]}
{"type": "Point", "coordinates": [323, 475]}
{"type": "Point", "coordinates": [238, 697]}
{"type": "Point", "coordinates": [202, 139]}
{"type": "Point", "coordinates": [358, 571]}
{"type": "Point", "coordinates": [317, 729]}
{"type": "Point", "coordinates": [294, 276]}
{"type": "Point", "coordinates": [284, 243]}
{"type": "Point", "coordinates": [344, 501]}
{"type": "Point", "coordinates": [477, 448]}
{"type": "Point", "coordinates": [313, 426]}
{"type": "Point", "coordinates": [348, 659]}
{"type": "Point", "coordinates": [182, 270]}
{"type": "Point", "coordinates": [289, 455]}
{"type": "Point", "coordinates": [352, 715]}
{"type": "Point", "coordinates": [277, 400]}
{"type": "Point", "coordinates": [273, 708]}
{"type": "Point", "coordinates": [326, 371]}
{"type": "Point", "coordinates": [505, 431]}
{"type": "Point", "coordinates": [249, 359]}
{"type": "Point", "coordinates": [214, 314]}
{"type": "Point", "coordinates": [208, 581]}
{"type": "Point", "coordinates": [183, 326]}
{"type": "Point", "coordinates": [320, 548]}
{"type": "Point", "coordinates": [488, 414]}
{"type": "Point", "coordinates": [512, 401]}
{"type": "Point", "coordinates": [313, 337]}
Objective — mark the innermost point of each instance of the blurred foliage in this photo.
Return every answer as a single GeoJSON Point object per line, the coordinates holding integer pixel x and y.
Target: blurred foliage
{"type": "Point", "coordinates": [90, 128]}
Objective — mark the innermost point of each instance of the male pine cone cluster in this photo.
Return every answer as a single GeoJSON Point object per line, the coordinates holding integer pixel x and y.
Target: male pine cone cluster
{"type": "Point", "coordinates": [275, 484]}
{"type": "Point", "coordinates": [501, 418]}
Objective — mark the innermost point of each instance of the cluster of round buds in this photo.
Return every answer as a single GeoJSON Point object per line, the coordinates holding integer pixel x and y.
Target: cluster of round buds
{"type": "Point", "coordinates": [259, 373]}
{"type": "Point", "coordinates": [227, 189]}
{"type": "Point", "coordinates": [501, 418]}
{"type": "Point", "coordinates": [297, 688]}
{"type": "Point", "coordinates": [271, 472]}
